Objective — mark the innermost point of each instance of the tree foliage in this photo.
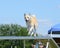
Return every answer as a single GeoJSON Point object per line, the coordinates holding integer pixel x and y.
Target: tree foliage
{"type": "Point", "coordinates": [9, 30]}
{"type": "Point", "coordinates": [13, 30]}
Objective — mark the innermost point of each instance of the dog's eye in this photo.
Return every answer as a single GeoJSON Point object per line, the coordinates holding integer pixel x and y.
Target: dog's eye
{"type": "Point", "coordinates": [27, 17]}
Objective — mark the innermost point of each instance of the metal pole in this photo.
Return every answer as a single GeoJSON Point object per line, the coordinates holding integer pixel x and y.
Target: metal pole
{"type": "Point", "coordinates": [36, 45]}
{"type": "Point", "coordinates": [24, 43]}
{"type": "Point", "coordinates": [47, 44]}
{"type": "Point", "coordinates": [11, 46]}
{"type": "Point", "coordinates": [15, 46]}
{"type": "Point", "coordinates": [51, 33]}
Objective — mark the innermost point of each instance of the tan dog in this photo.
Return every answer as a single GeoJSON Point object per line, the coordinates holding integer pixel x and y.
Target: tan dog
{"type": "Point", "coordinates": [31, 23]}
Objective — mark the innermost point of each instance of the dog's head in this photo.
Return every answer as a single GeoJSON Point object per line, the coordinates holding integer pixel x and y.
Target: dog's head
{"type": "Point", "coordinates": [27, 17]}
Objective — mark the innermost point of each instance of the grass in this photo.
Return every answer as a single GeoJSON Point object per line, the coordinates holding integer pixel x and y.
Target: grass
{"type": "Point", "coordinates": [51, 43]}
{"type": "Point", "coordinates": [44, 41]}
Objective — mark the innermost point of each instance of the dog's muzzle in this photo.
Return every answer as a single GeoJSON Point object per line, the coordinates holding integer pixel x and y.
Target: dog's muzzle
{"type": "Point", "coordinates": [26, 20]}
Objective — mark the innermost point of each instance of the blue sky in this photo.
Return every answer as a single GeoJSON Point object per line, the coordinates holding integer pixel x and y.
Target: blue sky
{"type": "Point", "coordinates": [46, 11]}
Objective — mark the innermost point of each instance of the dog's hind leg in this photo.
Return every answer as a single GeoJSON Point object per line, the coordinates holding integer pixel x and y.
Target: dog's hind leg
{"type": "Point", "coordinates": [31, 33]}
{"type": "Point", "coordinates": [35, 31]}
{"type": "Point", "coordinates": [30, 30]}
{"type": "Point", "coordinates": [34, 34]}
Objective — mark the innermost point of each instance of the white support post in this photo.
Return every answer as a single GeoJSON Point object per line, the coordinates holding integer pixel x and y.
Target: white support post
{"type": "Point", "coordinates": [11, 46]}
{"type": "Point", "coordinates": [51, 33]}
{"type": "Point", "coordinates": [15, 46]}
{"type": "Point", "coordinates": [47, 45]}
{"type": "Point", "coordinates": [24, 43]}
{"type": "Point", "coordinates": [36, 45]}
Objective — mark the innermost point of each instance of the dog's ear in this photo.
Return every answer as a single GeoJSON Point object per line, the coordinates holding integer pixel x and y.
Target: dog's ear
{"type": "Point", "coordinates": [24, 14]}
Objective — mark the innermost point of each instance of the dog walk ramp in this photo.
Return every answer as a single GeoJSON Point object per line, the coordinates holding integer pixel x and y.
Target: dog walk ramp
{"type": "Point", "coordinates": [23, 37]}
{"type": "Point", "coordinates": [27, 38]}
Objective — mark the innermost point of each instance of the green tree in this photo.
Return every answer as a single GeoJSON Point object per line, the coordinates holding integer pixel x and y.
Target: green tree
{"type": "Point", "coordinates": [13, 30]}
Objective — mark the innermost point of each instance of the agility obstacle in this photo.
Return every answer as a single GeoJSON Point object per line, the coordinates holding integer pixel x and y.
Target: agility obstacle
{"type": "Point", "coordinates": [23, 37]}
{"type": "Point", "coordinates": [27, 38]}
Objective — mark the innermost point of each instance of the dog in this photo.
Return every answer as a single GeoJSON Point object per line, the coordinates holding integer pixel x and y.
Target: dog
{"type": "Point", "coordinates": [31, 23]}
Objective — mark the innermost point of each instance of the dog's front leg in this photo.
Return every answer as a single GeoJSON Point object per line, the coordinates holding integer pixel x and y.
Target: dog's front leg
{"type": "Point", "coordinates": [30, 30]}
